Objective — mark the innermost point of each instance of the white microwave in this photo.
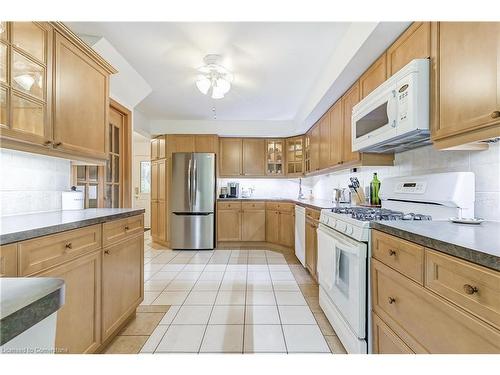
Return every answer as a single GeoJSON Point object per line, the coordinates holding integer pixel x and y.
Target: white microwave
{"type": "Point", "coordinates": [395, 116]}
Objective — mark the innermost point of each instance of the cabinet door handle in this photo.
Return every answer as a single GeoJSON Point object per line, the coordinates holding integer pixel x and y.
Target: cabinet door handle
{"type": "Point", "coordinates": [392, 252]}
{"type": "Point", "coordinates": [126, 227]}
{"type": "Point", "coordinates": [69, 245]}
{"type": "Point", "coordinates": [47, 143]}
{"type": "Point", "coordinates": [495, 114]}
{"type": "Point", "coordinates": [391, 300]}
{"type": "Point", "coordinates": [57, 144]}
{"type": "Point", "coordinates": [106, 252]}
{"type": "Point", "coordinates": [469, 289]}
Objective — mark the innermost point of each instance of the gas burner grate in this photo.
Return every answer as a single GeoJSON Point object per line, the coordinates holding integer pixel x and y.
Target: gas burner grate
{"type": "Point", "coordinates": [378, 214]}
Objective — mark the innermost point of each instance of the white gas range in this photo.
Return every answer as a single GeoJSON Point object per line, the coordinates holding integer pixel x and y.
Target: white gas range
{"type": "Point", "coordinates": [344, 244]}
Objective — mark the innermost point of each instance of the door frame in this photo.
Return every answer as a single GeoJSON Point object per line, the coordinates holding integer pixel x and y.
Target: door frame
{"type": "Point", "coordinates": [126, 157]}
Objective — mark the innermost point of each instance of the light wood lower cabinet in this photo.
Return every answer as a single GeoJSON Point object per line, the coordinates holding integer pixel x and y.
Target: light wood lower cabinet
{"type": "Point", "coordinates": [229, 221]}
{"type": "Point", "coordinates": [454, 310]}
{"type": "Point", "coordinates": [272, 226]}
{"type": "Point", "coordinates": [280, 223]}
{"type": "Point", "coordinates": [385, 341]}
{"type": "Point", "coordinates": [253, 223]}
{"type": "Point", "coordinates": [8, 260]}
{"type": "Point", "coordinates": [311, 246]}
{"type": "Point", "coordinates": [79, 320]}
{"type": "Point", "coordinates": [103, 287]}
{"type": "Point", "coordinates": [122, 282]}
{"type": "Point", "coordinates": [287, 228]}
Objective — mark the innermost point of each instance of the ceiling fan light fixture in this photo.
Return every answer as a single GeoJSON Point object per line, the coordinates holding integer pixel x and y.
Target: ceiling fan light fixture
{"type": "Point", "coordinates": [203, 85]}
{"type": "Point", "coordinates": [214, 78]}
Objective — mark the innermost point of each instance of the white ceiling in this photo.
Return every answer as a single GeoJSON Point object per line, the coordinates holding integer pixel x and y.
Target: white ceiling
{"type": "Point", "coordinates": [275, 65]}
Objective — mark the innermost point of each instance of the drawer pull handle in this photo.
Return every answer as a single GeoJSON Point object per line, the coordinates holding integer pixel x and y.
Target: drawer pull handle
{"type": "Point", "coordinates": [106, 252]}
{"type": "Point", "coordinates": [69, 245]}
{"type": "Point", "coordinates": [126, 227]}
{"type": "Point", "coordinates": [469, 289]}
{"type": "Point", "coordinates": [392, 300]}
{"type": "Point", "coordinates": [392, 252]}
{"type": "Point", "coordinates": [57, 144]}
{"type": "Point", "coordinates": [495, 114]}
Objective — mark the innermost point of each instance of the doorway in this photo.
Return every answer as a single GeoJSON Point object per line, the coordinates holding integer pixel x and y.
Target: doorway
{"type": "Point", "coordinates": [141, 176]}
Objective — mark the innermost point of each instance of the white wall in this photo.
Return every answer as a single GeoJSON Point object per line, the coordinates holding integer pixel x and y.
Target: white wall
{"type": "Point", "coordinates": [265, 187]}
{"type": "Point", "coordinates": [31, 183]}
{"type": "Point", "coordinates": [484, 164]}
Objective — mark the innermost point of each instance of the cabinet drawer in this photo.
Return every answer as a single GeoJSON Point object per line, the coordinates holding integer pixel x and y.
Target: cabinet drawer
{"type": "Point", "coordinates": [233, 205]}
{"type": "Point", "coordinates": [313, 214]}
{"type": "Point", "coordinates": [424, 321]}
{"type": "Point", "coordinates": [279, 206]}
{"type": "Point", "coordinates": [385, 341]}
{"type": "Point", "coordinates": [8, 260]}
{"type": "Point", "coordinates": [403, 256]}
{"type": "Point", "coordinates": [472, 287]}
{"type": "Point", "coordinates": [44, 252]}
{"type": "Point", "coordinates": [117, 230]}
{"type": "Point", "coordinates": [253, 205]}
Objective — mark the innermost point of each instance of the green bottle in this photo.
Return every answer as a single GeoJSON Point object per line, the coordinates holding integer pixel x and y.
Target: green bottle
{"type": "Point", "coordinates": [374, 189]}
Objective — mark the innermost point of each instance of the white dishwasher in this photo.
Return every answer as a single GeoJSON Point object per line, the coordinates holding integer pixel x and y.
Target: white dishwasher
{"type": "Point", "coordinates": [300, 234]}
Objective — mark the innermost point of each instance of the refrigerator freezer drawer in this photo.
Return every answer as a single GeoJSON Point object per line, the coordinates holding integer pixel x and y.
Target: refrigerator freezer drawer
{"type": "Point", "coordinates": [192, 231]}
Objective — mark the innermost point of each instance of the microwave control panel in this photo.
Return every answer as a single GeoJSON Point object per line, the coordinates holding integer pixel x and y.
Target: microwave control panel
{"type": "Point", "coordinates": [402, 94]}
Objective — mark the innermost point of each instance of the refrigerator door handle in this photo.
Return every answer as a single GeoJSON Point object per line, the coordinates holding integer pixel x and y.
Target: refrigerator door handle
{"type": "Point", "coordinates": [189, 184]}
{"type": "Point", "coordinates": [195, 181]}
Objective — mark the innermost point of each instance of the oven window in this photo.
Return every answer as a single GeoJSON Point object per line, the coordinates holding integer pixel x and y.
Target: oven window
{"type": "Point", "coordinates": [372, 121]}
{"type": "Point", "coordinates": [342, 272]}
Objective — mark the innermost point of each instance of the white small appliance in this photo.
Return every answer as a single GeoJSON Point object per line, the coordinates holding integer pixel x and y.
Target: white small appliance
{"type": "Point", "coordinates": [395, 116]}
{"type": "Point", "coordinates": [72, 200]}
{"type": "Point", "coordinates": [300, 234]}
{"type": "Point", "coordinates": [344, 244]}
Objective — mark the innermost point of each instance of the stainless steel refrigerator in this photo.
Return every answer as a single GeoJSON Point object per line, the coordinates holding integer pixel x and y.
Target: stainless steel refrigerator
{"type": "Point", "coordinates": [193, 201]}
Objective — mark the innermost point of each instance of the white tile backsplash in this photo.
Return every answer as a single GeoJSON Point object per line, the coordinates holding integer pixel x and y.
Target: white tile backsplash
{"type": "Point", "coordinates": [31, 183]}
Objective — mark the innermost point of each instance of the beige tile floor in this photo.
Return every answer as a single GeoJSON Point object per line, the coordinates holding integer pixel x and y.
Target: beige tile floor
{"type": "Point", "coordinates": [226, 301]}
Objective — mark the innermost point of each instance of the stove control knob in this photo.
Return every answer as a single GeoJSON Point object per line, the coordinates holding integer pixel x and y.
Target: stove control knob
{"type": "Point", "coordinates": [349, 230]}
{"type": "Point", "coordinates": [332, 222]}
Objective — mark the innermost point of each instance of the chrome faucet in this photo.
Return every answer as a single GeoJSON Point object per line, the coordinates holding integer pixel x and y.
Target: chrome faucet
{"type": "Point", "coordinates": [301, 194]}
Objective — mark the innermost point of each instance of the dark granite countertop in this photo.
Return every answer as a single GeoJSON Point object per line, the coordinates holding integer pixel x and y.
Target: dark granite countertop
{"type": "Point", "coordinates": [311, 203]}
{"type": "Point", "coordinates": [479, 244]}
{"type": "Point", "coordinates": [23, 227]}
{"type": "Point", "coordinates": [26, 301]}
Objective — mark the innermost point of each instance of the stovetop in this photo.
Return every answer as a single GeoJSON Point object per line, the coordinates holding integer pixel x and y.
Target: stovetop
{"type": "Point", "coordinates": [370, 214]}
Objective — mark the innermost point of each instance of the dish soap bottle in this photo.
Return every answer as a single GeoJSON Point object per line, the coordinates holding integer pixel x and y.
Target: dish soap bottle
{"type": "Point", "coordinates": [374, 189]}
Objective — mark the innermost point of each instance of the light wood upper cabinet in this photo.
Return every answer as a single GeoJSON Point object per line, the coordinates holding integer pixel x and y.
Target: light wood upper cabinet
{"type": "Point", "coordinates": [180, 143]}
{"type": "Point", "coordinates": [25, 76]}
{"type": "Point", "coordinates": [206, 143]}
{"type": "Point", "coordinates": [275, 157]}
{"type": "Point", "coordinates": [374, 76]}
{"type": "Point", "coordinates": [122, 282]}
{"type": "Point", "coordinates": [81, 101]}
{"type": "Point", "coordinates": [349, 100]}
{"type": "Point", "coordinates": [79, 320]}
{"type": "Point", "coordinates": [324, 142]}
{"type": "Point", "coordinates": [314, 148]}
{"type": "Point", "coordinates": [230, 161]}
{"type": "Point", "coordinates": [336, 133]}
{"type": "Point", "coordinates": [158, 149]}
{"type": "Point", "coordinates": [468, 61]}
{"type": "Point", "coordinates": [254, 151]}
{"type": "Point", "coordinates": [414, 43]}
{"type": "Point", "coordinates": [295, 156]}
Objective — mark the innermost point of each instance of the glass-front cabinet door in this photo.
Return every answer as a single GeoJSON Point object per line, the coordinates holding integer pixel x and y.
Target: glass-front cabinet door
{"type": "Point", "coordinates": [88, 181]}
{"type": "Point", "coordinates": [112, 183]}
{"type": "Point", "coordinates": [307, 152]}
{"type": "Point", "coordinates": [295, 156]}
{"type": "Point", "coordinates": [275, 158]}
{"type": "Point", "coordinates": [24, 65]}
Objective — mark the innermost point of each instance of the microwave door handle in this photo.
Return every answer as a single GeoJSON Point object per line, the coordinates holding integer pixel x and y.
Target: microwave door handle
{"type": "Point", "coordinates": [392, 109]}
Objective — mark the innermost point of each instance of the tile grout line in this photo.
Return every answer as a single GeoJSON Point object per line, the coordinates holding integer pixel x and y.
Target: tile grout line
{"type": "Point", "coordinates": [277, 307]}
{"type": "Point", "coordinates": [213, 306]}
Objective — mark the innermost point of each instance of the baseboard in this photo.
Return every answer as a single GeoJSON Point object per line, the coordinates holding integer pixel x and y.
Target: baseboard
{"type": "Point", "coordinates": [252, 245]}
